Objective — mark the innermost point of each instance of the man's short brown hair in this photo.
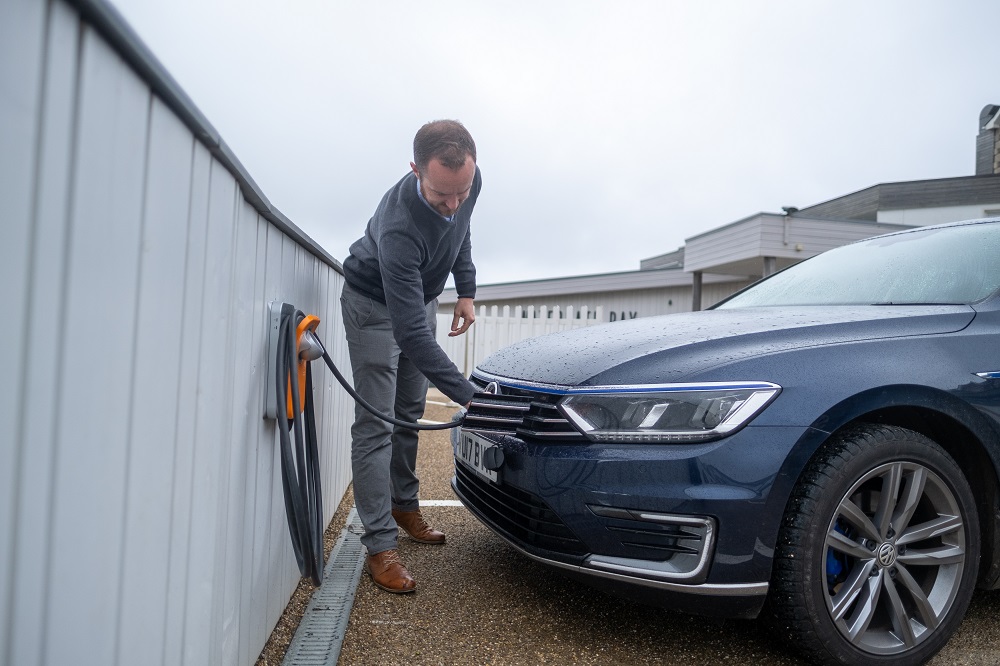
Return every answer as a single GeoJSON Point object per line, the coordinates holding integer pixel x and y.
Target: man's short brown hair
{"type": "Point", "coordinates": [445, 140]}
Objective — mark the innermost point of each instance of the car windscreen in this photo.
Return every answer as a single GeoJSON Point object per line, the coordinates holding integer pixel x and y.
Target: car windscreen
{"type": "Point", "coordinates": [959, 264]}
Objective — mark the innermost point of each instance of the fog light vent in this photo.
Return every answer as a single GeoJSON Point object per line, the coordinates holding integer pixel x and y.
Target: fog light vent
{"type": "Point", "coordinates": [668, 546]}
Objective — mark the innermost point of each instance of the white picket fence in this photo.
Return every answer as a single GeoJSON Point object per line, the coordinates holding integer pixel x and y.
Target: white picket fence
{"type": "Point", "coordinates": [495, 329]}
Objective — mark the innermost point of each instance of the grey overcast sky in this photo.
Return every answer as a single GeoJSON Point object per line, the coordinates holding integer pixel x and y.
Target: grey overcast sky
{"type": "Point", "coordinates": [608, 131]}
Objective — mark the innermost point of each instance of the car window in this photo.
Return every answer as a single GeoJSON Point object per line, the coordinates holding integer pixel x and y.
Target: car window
{"type": "Point", "coordinates": [930, 266]}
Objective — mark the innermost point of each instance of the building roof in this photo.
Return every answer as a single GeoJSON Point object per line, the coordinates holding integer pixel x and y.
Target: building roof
{"type": "Point", "coordinates": [865, 204]}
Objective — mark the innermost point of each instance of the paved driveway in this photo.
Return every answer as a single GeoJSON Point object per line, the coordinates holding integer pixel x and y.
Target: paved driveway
{"type": "Point", "coordinates": [479, 602]}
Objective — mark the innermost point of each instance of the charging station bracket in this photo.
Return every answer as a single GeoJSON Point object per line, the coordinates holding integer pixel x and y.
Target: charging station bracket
{"type": "Point", "coordinates": [276, 310]}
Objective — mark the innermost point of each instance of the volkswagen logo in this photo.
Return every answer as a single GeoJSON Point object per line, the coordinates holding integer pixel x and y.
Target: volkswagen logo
{"type": "Point", "coordinates": [493, 388]}
{"type": "Point", "coordinates": [886, 555]}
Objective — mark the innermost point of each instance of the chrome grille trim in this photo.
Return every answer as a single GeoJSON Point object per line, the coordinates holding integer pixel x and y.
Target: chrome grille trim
{"type": "Point", "coordinates": [519, 412]}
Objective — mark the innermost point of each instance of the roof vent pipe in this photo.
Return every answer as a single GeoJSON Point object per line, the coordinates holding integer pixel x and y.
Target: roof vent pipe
{"type": "Point", "coordinates": [987, 145]}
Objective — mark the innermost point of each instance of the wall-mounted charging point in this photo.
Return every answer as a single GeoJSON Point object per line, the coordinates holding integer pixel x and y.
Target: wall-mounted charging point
{"type": "Point", "coordinates": [291, 346]}
{"type": "Point", "coordinates": [308, 348]}
{"type": "Point", "coordinates": [277, 310]}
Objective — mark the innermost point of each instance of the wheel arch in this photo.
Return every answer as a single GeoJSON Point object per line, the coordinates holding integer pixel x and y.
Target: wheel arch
{"type": "Point", "coordinates": [954, 425]}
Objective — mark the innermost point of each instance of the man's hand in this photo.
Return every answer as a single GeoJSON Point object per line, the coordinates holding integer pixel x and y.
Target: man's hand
{"type": "Point", "coordinates": [465, 311]}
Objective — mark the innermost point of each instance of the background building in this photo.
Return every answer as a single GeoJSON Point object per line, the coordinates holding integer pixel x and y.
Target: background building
{"type": "Point", "coordinates": [717, 263]}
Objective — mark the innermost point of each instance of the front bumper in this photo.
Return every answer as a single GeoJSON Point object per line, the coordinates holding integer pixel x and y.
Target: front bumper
{"type": "Point", "coordinates": [692, 526]}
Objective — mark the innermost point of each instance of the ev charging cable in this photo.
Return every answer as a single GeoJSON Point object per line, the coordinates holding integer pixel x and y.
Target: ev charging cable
{"type": "Point", "coordinates": [364, 403]}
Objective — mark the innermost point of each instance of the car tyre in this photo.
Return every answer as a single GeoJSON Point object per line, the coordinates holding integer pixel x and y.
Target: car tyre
{"type": "Point", "coordinates": [878, 551]}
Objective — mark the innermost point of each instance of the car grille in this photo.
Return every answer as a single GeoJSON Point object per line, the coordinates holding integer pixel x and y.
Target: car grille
{"type": "Point", "coordinates": [522, 515]}
{"type": "Point", "coordinates": [525, 414]}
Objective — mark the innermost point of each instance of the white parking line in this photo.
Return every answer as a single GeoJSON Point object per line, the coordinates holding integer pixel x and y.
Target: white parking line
{"type": "Point", "coordinates": [424, 503]}
{"type": "Point", "coordinates": [442, 404]}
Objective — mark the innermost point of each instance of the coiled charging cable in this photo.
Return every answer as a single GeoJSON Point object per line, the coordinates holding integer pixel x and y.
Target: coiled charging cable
{"type": "Point", "coordinates": [300, 479]}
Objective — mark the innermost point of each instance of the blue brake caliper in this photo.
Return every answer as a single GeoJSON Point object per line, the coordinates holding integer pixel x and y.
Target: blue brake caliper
{"type": "Point", "coordinates": [835, 564]}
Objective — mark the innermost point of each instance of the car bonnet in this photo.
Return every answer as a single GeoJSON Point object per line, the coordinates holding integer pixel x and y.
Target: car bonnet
{"type": "Point", "coordinates": [686, 343]}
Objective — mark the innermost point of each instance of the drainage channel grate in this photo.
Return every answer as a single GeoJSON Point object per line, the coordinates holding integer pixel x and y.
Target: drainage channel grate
{"type": "Point", "coordinates": [320, 635]}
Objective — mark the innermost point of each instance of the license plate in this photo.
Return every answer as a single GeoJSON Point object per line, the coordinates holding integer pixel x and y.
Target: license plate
{"type": "Point", "coordinates": [470, 451]}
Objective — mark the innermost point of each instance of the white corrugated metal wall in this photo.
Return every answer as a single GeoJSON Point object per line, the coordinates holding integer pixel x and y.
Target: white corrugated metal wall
{"type": "Point", "coordinates": [141, 511]}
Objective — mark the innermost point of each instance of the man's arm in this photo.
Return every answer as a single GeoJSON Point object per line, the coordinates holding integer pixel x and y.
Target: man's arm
{"type": "Point", "coordinates": [465, 312]}
{"type": "Point", "coordinates": [399, 262]}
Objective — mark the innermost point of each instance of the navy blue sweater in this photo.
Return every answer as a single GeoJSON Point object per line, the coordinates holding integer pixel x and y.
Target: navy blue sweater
{"type": "Point", "coordinates": [403, 260]}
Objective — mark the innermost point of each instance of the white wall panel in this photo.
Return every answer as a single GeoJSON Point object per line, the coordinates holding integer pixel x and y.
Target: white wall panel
{"type": "Point", "coordinates": [252, 639]}
{"type": "Point", "coordinates": [183, 471]}
{"type": "Point", "coordinates": [713, 293]}
{"type": "Point", "coordinates": [336, 464]}
{"type": "Point", "coordinates": [22, 42]}
{"type": "Point", "coordinates": [733, 242]}
{"type": "Point", "coordinates": [244, 431]}
{"type": "Point", "coordinates": [267, 529]}
{"type": "Point", "coordinates": [936, 215]}
{"type": "Point", "coordinates": [155, 386]}
{"type": "Point", "coordinates": [251, 610]}
{"type": "Point", "coordinates": [321, 375]}
{"type": "Point", "coordinates": [212, 426]}
{"type": "Point", "coordinates": [27, 470]}
{"type": "Point", "coordinates": [344, 403]}
{"type": "Point", "coordinates": [282, 561]}
{"type": "Point", "coordinates": [95, 393]}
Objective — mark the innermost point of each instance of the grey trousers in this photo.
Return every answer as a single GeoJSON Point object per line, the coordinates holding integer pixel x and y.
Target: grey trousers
{"type": "Point", "coordinates": [383, 456]}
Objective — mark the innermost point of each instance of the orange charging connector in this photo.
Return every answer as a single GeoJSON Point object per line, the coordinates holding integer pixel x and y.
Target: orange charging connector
{"type": "Point", "coordinates": [308, 323]}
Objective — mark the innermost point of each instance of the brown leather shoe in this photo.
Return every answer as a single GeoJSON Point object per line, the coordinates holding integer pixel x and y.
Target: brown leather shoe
{"type": "Point", "coordinates": [389, 572]}
{"type": "Point", "coordinates": [414, 524]}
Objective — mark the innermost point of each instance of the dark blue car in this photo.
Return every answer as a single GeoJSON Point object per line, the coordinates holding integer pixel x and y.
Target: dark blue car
{"type": "Point", "coordinates": [823, 445]}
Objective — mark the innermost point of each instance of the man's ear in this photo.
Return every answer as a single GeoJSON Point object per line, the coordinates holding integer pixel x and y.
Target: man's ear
{"type": "Point", "coordinates": [415, 169]}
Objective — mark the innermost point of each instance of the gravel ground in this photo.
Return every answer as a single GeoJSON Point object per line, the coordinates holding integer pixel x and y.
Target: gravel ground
{"type": "Point", "coordinates": [480, 602]}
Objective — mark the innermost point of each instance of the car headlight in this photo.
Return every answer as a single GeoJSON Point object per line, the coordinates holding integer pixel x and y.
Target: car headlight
{"type": "Point", "coordinates": [666, 413]}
